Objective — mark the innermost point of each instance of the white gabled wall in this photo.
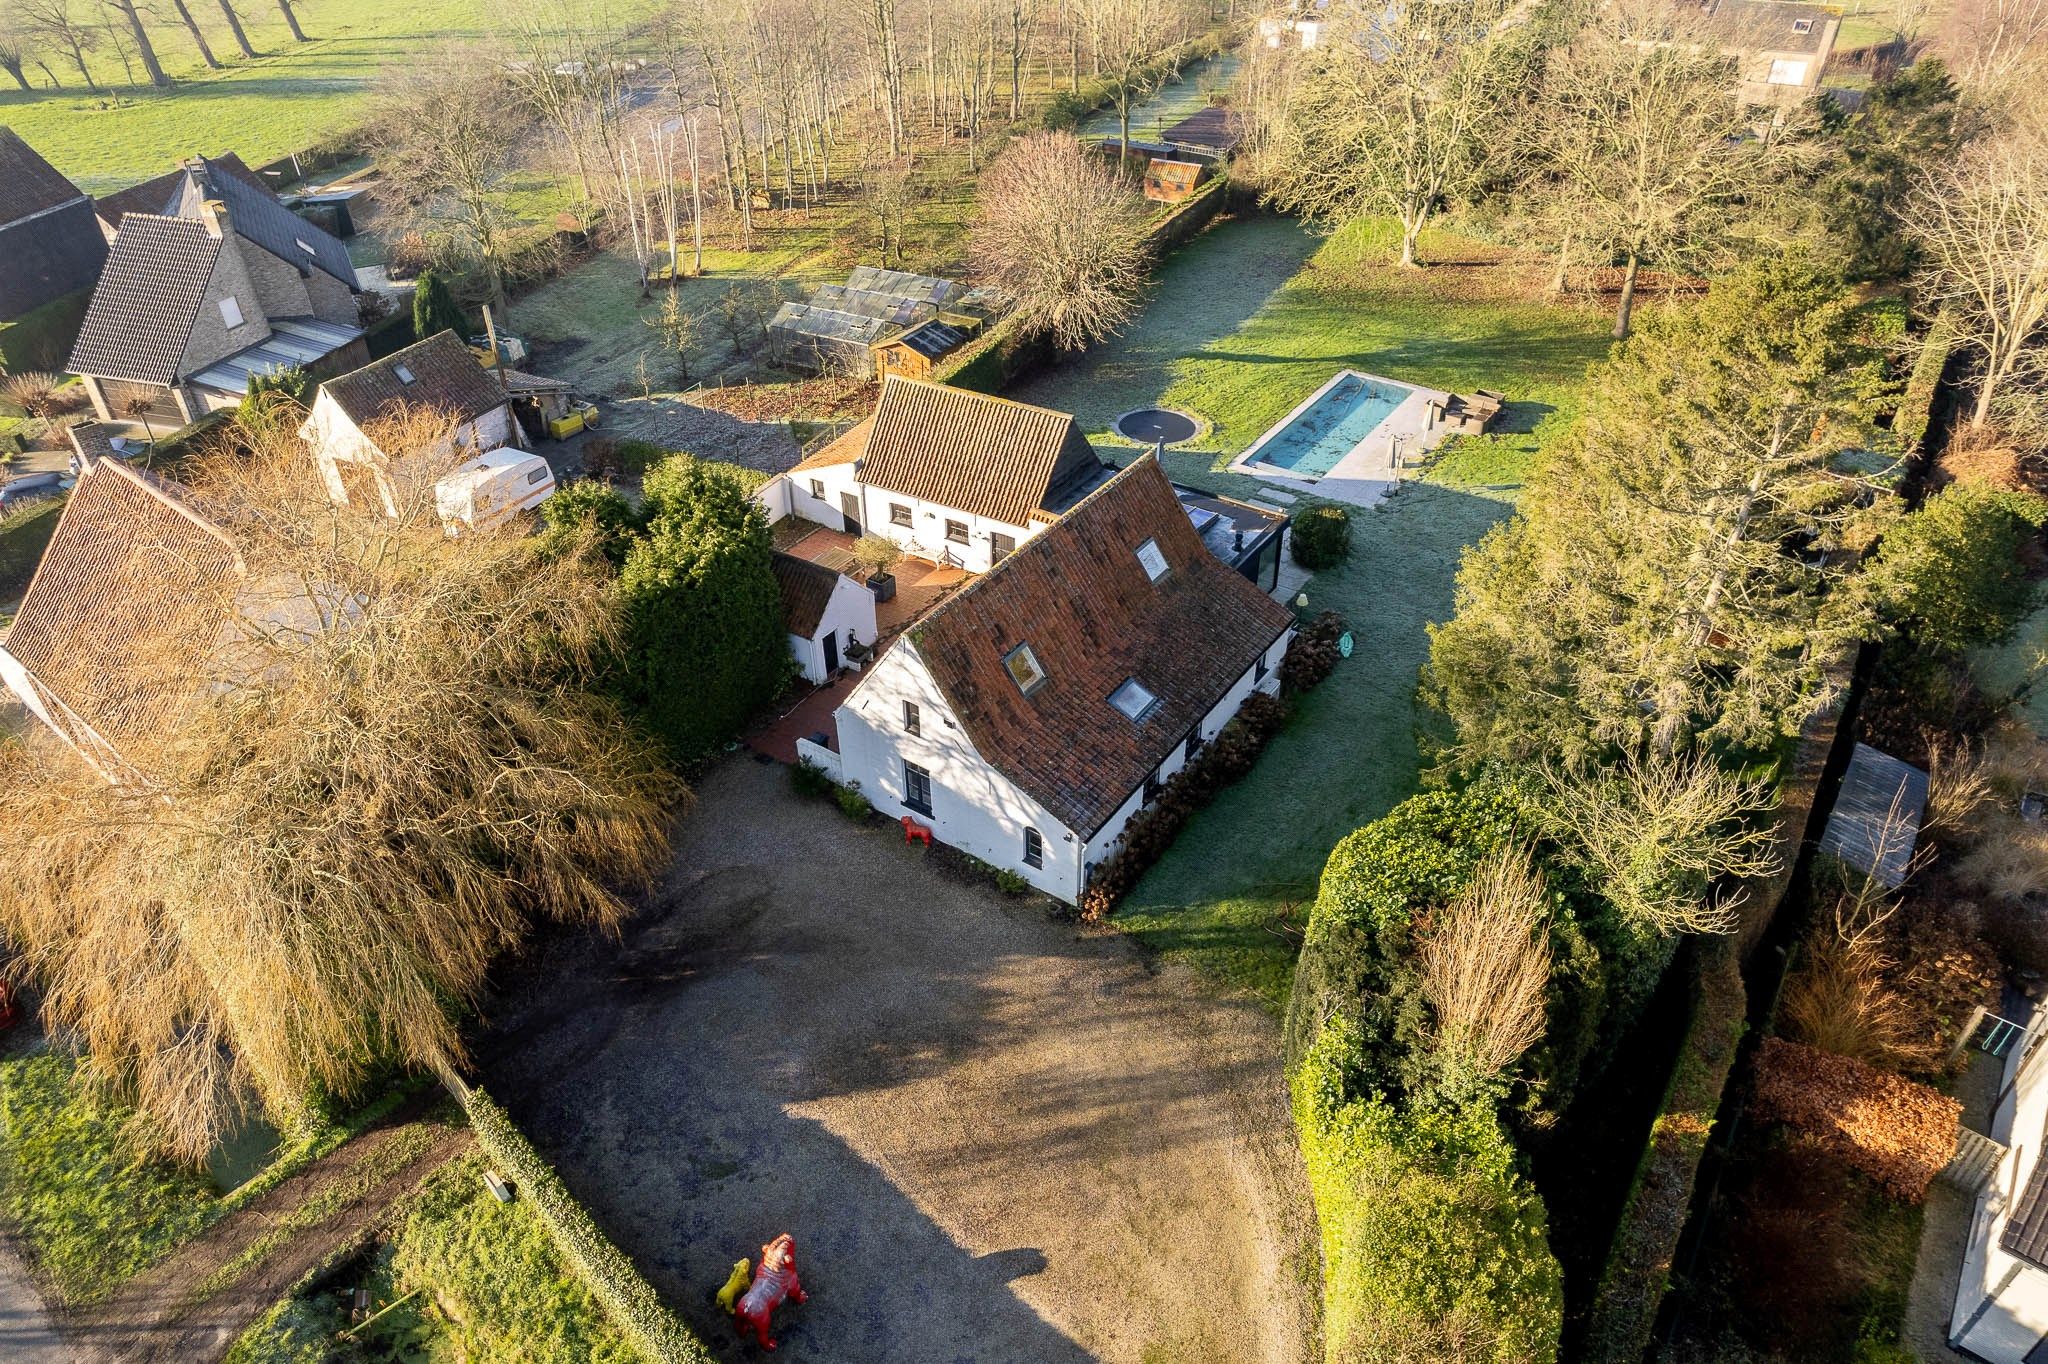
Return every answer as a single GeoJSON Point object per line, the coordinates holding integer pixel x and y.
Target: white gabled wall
{"type": "Point", "coordinates": [974, 808]}
{"type": "Point", "coordinates": [849, 614]}
{"type": "Point", "coordinates": [2001, 1306]}
{"type": "Point", "coordinates": [925, 536]}
{"type": "Point", "coordinates": [336, 440]}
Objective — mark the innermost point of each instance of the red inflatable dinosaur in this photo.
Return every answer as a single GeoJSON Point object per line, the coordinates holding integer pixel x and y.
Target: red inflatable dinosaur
{"type": "Point", "coordinates": [775, 1281]}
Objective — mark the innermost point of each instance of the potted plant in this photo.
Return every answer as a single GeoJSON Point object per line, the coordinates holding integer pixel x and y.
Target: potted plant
{"type": "Point", "coordinates": [878, 554]}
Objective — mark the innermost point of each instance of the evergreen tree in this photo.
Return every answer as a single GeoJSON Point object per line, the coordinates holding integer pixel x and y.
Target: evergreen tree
{"type": "Point", "coordinates": [434, 309]}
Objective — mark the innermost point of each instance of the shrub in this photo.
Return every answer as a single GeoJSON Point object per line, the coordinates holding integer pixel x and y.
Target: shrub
{"type": "Point", "coordinates": [1898, 1132]}
{"type": "Point", "coordinates": [809, 779]}
{"type": "Point", "coordinates": [434, 309]}
{"type": "Point", "coordinates": [1312, 655]}
{"type": "Point", "coordinates": [852, 803]}
{"type": "Point", "coordinates": [589, 507]}
{"type": "Point", "coordinates": [1321, 537]}
{"type": "Point", "coordinates": [1010, 883]}
{"type": "Point", "coordinates": [702, 613]}
{"type": "Point", "coordinates": [876, 553]}
{"type": "Point", "coordinates": [611, 1277]}
{"type": "Point", "coordinates": [34, 392]}
{"type": "Point", "coordinates": [621, 461]}
{"type": "Point", "coordinates": [1433, 1244]}
{"type": "Point", "coordinates": [1950, 574]}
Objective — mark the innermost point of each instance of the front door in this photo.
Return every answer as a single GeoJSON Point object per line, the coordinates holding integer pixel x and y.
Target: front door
{"type": "Point", "coordinates": [849, 507]}
{"type": "Point", "coordinates": [831, 652]}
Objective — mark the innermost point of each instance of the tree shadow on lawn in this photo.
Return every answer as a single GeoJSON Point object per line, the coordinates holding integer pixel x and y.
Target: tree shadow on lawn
{"type": "Point", "coordinates": [769, 1048]}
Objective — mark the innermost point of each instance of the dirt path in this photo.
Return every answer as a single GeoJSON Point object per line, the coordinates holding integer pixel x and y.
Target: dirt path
{"type": "Point", "coordinates": [994, 1137]}
{"type": "Point", "coordinates": [319, 1215]}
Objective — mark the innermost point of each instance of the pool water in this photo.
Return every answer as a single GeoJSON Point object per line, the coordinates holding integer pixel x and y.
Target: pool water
{"type": "Point", "coordinates": [1332, 426]}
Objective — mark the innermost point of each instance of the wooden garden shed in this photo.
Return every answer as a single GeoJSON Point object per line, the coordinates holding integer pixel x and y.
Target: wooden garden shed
{"type": "Point", "coordinates": [1169, 182]}
{"type": "Point", "coordinates": [915, 353]}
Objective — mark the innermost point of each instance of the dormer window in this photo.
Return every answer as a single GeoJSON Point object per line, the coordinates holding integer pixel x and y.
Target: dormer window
{"type": "Point", "coordinates": [231, 311]}
{"type": "Point", "coordinates": [1152, 559]}
{"type": "Point", "coordinates": [405, 375]}
{"type": "Point", "coordinates": [1133, 700]}
{"type": "Point", "coordinates": [1023, 667]}
{"type": "Point", "coordinates": [1802, 25]}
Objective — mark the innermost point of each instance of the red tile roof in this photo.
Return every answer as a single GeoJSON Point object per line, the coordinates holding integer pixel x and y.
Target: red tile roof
{"type": "Point", "coordinates": [124, 597]}
{"type": "Point", "coordinates": [806, 592]}
{"type": "Point", "coordinates": [1094, 618]}
{"type": "Point", "coordinates": [446, 377]}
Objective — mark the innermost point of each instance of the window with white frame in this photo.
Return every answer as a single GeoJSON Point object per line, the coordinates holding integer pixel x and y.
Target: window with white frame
{"type": "Point", "coordinates": [1133, 700]}
{"type": "Point", "coordinates": [913, 721]}
{"type": "Point", "coordinates": [1034, 848]}
{"type": "Point", "coordinates": [231, 311]}
{"type": "Point", "coordinates": [956, 531]}
{"type": "Point", "coordinates": [917, 788]}
{"type": "Point", "coordinates": [1152, 559]}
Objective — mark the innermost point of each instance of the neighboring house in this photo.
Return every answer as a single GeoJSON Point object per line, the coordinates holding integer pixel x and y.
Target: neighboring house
{"type": "Point", "coordinates": [86, 653]}
{"type": "Point", "coordinates": [191, 307]}
{"type": "Point", "coordinates": [952, 476]}
{"type": "Point", "coordinates": [48, 248]}
{"type": "Point", "coordinates": [1300, 25]}
{"type": "Point", "coordinates": [1034, 712]}
{"type": "Point", "coordinates": [174, 194]}
{"type": "Point", "coordinates": [1780, 48]}
{"type": "Point", "coordinates": [825, 612]}
{"type": "Point", "coordinates": [1169, 182]}
{"type": "Point", "coordinates": [439, 374]}
{"type": "Point", "coordinates": [2001, 1307]}
{"type": "Point", "coordinates": [1210, 134]}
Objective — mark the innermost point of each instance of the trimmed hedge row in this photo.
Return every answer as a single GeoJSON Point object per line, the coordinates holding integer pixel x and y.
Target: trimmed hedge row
{"type": "Point", "coordinates": [1916, 403]}
{"type": "Point", "coordinates": [612, 1277]}
{"type": "Point", "coordinates": [1068, 109]}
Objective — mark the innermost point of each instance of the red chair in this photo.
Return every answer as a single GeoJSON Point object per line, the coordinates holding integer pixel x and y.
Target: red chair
{"type": "Point", "coordinates": [914, 832]}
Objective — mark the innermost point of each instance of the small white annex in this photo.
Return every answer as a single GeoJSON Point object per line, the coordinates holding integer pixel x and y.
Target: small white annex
{"type": "Point", "coordinates": [438, 375]}
{"type": "Point", "coordinates": [2001, 1306]}
{"type": "Point", "coordinates": [827, 615]}
{"type": "Point", "coordinates": [952, 476]}
{"type": "Point", "coordinates": [1029, 717]}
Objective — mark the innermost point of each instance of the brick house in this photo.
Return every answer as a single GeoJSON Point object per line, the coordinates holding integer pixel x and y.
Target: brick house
{"type": "Point", "coordinates": [192, 306]}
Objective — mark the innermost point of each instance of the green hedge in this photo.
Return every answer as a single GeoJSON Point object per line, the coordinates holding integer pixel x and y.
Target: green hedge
{"type": "Point", "coordinates": [612, 1278]}
{"type": "Point", "coordinates": [1916, 403]}
{"type": "Point", "coordinates": [1321, 537]}
{"type": "Point", "coordinates": [1433, 1243]}
{"type": "Point", "coordinates": [1069, 109]}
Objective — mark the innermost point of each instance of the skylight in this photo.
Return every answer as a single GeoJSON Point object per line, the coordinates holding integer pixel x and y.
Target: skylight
{"type": "Point", "coordinates": [304, 247]}
{"type": "Point", "coordinates": [1024, 669]}
{"type": "Point", "coordinates": [1152, 559]}
{"type": "Point", "coordinates": [1802, 25]}
{"type": "Point", "coordinates": [405, 376]}
{"type": "Point", "coordinates": [1133, 700]}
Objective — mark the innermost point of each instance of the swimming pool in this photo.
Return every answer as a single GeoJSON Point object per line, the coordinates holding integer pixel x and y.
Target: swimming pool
{"type": "Point", "coordinates": [1330, 425]}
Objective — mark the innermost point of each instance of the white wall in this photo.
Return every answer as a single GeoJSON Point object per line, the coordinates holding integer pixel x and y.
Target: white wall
{"type": "Point", "coordinates": [2015, 1320]}
{"type": "Point", "coordinates": [849, 614]}
{"type": "Point", "coordinates": [834, 479]}
{"type": "Point", "coordinates": [924, 537]}
{"type": "Point", "coordinates": [336, 440]}
{"type": "Point", "coordinates": [974, 808]}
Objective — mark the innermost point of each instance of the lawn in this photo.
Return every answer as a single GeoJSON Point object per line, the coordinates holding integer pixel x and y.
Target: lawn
{"type": "Point", "coordinates": [24, 535]}
{"type": "Point", "coordinates": [1245, 322]}
{"type": "Point", "coordinates": [295, 96]}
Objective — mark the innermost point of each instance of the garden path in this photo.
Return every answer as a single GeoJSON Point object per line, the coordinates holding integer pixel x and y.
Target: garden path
{"type": "Point", "coordinates": [994, 1136]}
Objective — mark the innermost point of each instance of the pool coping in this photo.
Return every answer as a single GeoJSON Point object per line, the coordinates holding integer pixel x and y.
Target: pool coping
{"type": "Point", "coordinates": [1354, 477]}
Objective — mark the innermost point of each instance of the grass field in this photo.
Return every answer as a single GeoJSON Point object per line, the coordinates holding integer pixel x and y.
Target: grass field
{"type": "Point", "coordinates": [1246, 321]}
{"type": "Point", "coordinates": [23, 537]}
{"type": "Point", "coordinates": [295, 96]}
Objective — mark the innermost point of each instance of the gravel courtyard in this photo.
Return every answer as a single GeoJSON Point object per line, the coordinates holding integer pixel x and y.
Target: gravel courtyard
{"type": "Point", "coordinates": [995, 1137]}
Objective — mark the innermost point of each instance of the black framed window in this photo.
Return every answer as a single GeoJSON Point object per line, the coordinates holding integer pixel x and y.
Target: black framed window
{"type": "Point", "coordinates": [912, 722]}
{"type": "Point", "coordinates": [1034, 848]}
{"type": "Point", "coordinates": [1259, 670]}
{"type": "Point", "coordinates": [1194, 743]}
{"type": "Point", "coordinates": [917, 787]}
{"type": "Point", "coordinates": [1152, 789]}
{"type": "Point", "coordinates": [899, 515]}
{"type": "Point", "coordinates": [1000, 545]}
{"type": "Point", "coordinates": [818, 489]}
{"type": "Point", "coordinates": [956, 531]}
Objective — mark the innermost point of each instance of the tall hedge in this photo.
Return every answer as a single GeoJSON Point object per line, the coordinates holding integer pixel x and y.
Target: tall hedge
{"type": "Point", "coordinates": [704, 644]}
{"type": "Point", "coordinates": [1434, 1245]}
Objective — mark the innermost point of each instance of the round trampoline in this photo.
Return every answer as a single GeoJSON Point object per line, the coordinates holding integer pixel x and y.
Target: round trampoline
{"type": "Point", "coordinates": [1152, 425]}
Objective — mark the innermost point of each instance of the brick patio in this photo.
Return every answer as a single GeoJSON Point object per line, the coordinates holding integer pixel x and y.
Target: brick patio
{"type": "Point", "coordinates": [920, 584]}
{"type": "Point", "coordinates": [811, 715]}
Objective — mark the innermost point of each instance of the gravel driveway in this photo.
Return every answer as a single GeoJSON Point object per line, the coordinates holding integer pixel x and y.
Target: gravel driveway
{"type": "Point", "coordinates": [994, 1136]}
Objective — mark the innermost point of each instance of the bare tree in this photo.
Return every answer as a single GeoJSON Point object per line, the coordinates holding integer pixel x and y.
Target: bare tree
{"type": "Point", "coordinates": [567, 69]}
{"type": "Point", "coordinates": [227, 9]}
{"type": "Point", "coordinates": [356, 809]}
{"type": "Point", "coordinates": [1658, 833]}
{"type": "Point", "coordinates": [449, 135]}
{"type": "Point", "coordinates": [1982, 222]}
{"type": "Point", "coordinates": [144, 48]}
{"type": "Point", "coordinates": [1393, 113]}
{"type": "Point", "coordinates": [1993, 45]}
{"type": "Point", "coordinates": [1485, 967]}
{"type": "Point", "coordinates": [1063, 234]}
{"type": "Point", "coordinates": [291, 21]}
{"type": "Point", "coordinates": [14, 52]}
{"type": "Point", "coordinates": [55, 23]}
{"type": "Point", "coordinates": [184, 13]}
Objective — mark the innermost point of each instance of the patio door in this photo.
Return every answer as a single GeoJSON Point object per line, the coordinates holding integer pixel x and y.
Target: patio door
{"type": "Point", "coordinates": [831, 642]}
{"type": "Point", "coordinates": [849, 507]}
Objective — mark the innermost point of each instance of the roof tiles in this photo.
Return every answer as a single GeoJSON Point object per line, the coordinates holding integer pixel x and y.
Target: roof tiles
{"type": "Point", "coordinates": [142, 312]}
{"type": "Point", "coordinates": [973, 453]}
{"type": "Point", "coordinates": [28, 184]}
{"type": "Point", "coordinates": [446, 378]}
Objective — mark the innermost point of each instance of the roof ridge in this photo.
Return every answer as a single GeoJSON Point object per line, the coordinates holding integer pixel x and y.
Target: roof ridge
{"type": "Point", "coordinates": [172, 494]}
{"type": "Point", "coordinates": [970, 394]}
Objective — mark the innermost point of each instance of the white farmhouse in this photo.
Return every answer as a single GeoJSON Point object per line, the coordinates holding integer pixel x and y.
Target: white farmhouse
{"type": "Point", "coordinates": [439, 375]}
{"type": "Point", "coordinates": [952, 476]}
{"type": "Point", "coordinates": [2001, 1307]}
{"type": "Point", "coordinates": [825, 613]}
{"type": "Point", "coordinates": [1032, 714]}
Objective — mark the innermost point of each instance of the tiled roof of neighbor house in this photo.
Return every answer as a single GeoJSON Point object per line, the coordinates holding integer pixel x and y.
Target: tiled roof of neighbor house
{"type": "Point", "coordinates": [974, 453]}
{"type": "Point", "coordinates": [844, 449]}
{"type": "Point", "coordinates": [806, 591]}
{"type": "Point", "coordinates": [1768, 25]}
{"type": "Point", "coordinates": [162, 194]}
{"type": "Point", "coordinates": [28, 184]}
{"type": "Point", "coordinates": [1095, 619]}
{"type": "Point", "coordinates": [150, 291]}
{"type": "Point", "coordinates": [258, 217]}
{"type": "Point", "coordinates": [123, 596]}
{"type": "Point", "coordinates": [445, 377]}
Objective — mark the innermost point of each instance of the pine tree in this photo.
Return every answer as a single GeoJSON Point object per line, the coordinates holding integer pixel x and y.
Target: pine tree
{"type": "Point", "coordinates": [434, 309]}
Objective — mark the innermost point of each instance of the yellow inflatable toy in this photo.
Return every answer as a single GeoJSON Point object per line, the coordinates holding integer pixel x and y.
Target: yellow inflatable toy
{"type": "Point", "coordinates": [742, 1276]}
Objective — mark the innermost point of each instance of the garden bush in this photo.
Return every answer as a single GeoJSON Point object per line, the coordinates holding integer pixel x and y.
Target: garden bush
{"type": "Point", "coordinates": [1313, 655]}
{"type": "Point", "coordinates": [589, 506]}
{"type": "Point", "coordinates": [1951, 575]}
{"type": "Point", "coordinates": [1321, 536]}
{"type": "Point", "coordinates": [809, 779]}
{"type": "Point", "coordinates": [1433, 1243]}
{"type": "Point", "coordinates": [1898, 1132]}
{"type": "Point", "coordinates": [852, 803]}
{"type": "Point", "coordinates": [635, 1308]}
